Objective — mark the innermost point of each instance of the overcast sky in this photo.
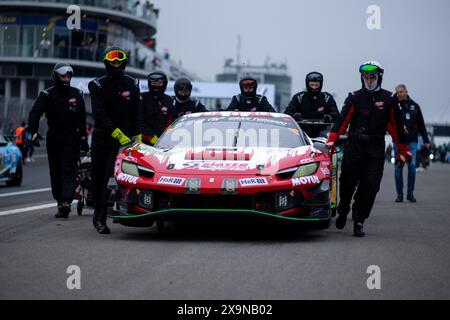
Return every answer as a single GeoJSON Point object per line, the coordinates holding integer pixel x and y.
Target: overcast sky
{"type": "Point", "coordinates": [325, 35]}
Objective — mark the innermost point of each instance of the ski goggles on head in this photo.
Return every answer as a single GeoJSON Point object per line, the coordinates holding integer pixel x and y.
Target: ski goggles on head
{"type": "Point", "coordinates": [115, 55]}
{"type": "Point", "coordinates": [64, 70]}
{"type": "Point", "coordinates": [368, 68]}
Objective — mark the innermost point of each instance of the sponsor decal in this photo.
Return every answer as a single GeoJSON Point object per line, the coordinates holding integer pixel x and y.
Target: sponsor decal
{"type": "Point", "coordinates": [325, 171]}
{"type": "Point", "coordinates": [248, 182]}
{"type": "Point", "coordinates": [306, 160]}
{"type": "Point", "coordinates": [174, 181]}
{"type": "Point", "coordinates": [325, 163]}
{"type": "Point", "coordinates": [379, 105]}
{"type": "Point", "coordinates": [229, 185]}
{"type": "Point", "coordinates": [216, 166]}
{"type": "Point", "coordinates": [305, 180]}
{"type": "Point", "coordinates": [123, 177]}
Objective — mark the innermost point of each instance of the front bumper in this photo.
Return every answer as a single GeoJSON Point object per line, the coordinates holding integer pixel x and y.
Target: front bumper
{"type": "Point", "coordinates": [288, 205]}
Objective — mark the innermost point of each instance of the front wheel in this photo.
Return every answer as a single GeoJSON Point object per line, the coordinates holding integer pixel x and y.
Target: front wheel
{"type": "Point", "coordinates": [18, 176]}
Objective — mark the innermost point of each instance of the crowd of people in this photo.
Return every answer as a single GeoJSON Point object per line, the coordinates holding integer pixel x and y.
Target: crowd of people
{"type": "Point", "coordinates": [123, 114]}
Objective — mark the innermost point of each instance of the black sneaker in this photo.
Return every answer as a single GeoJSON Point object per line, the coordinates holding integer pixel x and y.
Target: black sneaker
{"type": "Point", "coordinates": [399, 198]}
{"type": "Point", "coordinates": [102, 228]}
{"type": "Point", "coordinates": [63, 210]}
{"type": "Point", "coordinates": [358, 229]}
{"type": "Point", "coordinates": [342, 218]}
{"type": "Point", "coordinates": [411, 198]}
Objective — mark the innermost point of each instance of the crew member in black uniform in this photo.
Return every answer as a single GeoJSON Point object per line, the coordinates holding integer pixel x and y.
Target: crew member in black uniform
{"type": "Point", "coordinates": [183, 102]}
{"type": "Point", "coordinates": [313, 104]}
{"type": "Point", "coordinates": [64, 108]}
{"type": "Point", "coordinates": [369, 112]}
{"type": "Point", "coordinates": [115, 103]}
{"type": "Point", "coordinates": [248, 100]}
{"type": "Point", "coordinates": [157, 110]}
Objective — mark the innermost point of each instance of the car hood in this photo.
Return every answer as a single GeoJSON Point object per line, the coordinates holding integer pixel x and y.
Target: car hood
{"type": "Point", "coordinates": [219, 161]}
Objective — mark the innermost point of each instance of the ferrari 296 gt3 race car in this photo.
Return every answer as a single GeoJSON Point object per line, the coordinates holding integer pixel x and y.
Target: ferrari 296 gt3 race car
{"type": "Point", "coordinates": [226, 164]}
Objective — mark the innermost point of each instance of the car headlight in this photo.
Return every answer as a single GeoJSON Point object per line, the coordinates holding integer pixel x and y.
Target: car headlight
{"type": "Point", "coordinates": [130, 168]}
{"type": "Point", "coordinates": [136, 171]}
{"type": "Point", "coordinates": [306, 170]}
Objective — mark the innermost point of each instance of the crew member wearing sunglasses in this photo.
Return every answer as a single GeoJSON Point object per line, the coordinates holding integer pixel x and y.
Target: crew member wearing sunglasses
{"type": "Point", "coordinates": [115, 106]}
{"type": "Point", "coordinates": [64, 108]}
{"type": "Point", "coordinates": [156, 108]}
{"type": "Point", "coordinates": [249, 100]}
{"type": "Point", "coordinates": [370, 112]}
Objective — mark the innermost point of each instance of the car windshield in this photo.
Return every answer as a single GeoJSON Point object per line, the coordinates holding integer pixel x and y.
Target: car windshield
{"type": "Point", "coordinates": [232, 132]}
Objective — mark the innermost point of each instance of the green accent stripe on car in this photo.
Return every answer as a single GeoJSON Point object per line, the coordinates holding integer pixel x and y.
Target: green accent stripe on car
{"type": "Point", "coordinates": [213, 210]}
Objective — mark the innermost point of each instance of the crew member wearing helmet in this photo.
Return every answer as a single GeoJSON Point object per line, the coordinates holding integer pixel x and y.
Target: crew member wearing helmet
{"type": "Point", "coordinates": [115, 106]}
{"type": "Point", "coordinates": [64, 109]}
{"type": "Point", "coordinates": [368, 112]}
{"type": "Point", "coordinates": [157, 111]}
{"type": "Point", "coordinates": [313, 104]}
{"type": "Point", "coordinates": [183, 102]}
{"type": "Point", "coordinates": [248, 100]}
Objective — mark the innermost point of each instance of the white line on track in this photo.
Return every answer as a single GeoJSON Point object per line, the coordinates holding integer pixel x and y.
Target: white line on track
{"type": "Point", "coordinates": [11, 194]}
{"type": "Point", "coordinates": [20, 210]}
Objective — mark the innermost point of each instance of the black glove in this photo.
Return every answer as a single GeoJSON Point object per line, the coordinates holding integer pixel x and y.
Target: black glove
{"type": "Point", "coordinates": [84, 145]}
{"type": "Point", "coordinates": [297, 117]}
{"type": "Point", "coordinates": [35, 139]}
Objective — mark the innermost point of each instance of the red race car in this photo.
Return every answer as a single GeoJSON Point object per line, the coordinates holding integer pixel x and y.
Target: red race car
{"type": "Point", "coordinates": [225, 163]}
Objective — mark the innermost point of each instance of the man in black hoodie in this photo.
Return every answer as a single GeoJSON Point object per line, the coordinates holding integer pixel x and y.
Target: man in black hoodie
{"type": "Point", "coordinates": [414, 125]}
{"type": "Point", "coordinates": [156, 109]}
{"type": "Point", "coordinates": [64, 108]}
{"type": "Point", "coordinates": [313, 104]}
{"type": "Point", "coordinates": [115, 104]}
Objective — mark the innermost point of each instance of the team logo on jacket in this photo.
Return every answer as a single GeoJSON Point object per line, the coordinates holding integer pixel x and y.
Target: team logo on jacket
{"type": "Point", "coordinates": [73, 101]}
{"type": "Point", "coordinates": [253, 109]}
{"type": "Point", "coordinates": [379, 105]}
{"type": "Point", "coordinates": [321, 109]}
{"type": "Point", "coordinates": [126, 95]}
{"type": "Point", "coordinates": [164, 110]}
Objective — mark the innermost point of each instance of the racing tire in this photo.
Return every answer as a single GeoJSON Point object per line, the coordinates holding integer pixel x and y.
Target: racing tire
{"type": "Point", "coordinates": [18, 176]}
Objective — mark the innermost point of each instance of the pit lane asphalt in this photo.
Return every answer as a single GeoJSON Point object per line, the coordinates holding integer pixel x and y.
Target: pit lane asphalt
{"type": "Point", "coordinates": [409, 242]}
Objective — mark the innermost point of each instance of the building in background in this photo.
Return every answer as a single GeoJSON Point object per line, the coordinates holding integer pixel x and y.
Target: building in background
{"type": "Point", "coordinates": [269, 73]}
{"type": "Point", "coordinates": [34, 36]}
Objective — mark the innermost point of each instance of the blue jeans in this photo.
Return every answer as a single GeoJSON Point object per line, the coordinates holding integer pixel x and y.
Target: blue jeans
{"type": "Point", "coordinates": [411, 170]}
